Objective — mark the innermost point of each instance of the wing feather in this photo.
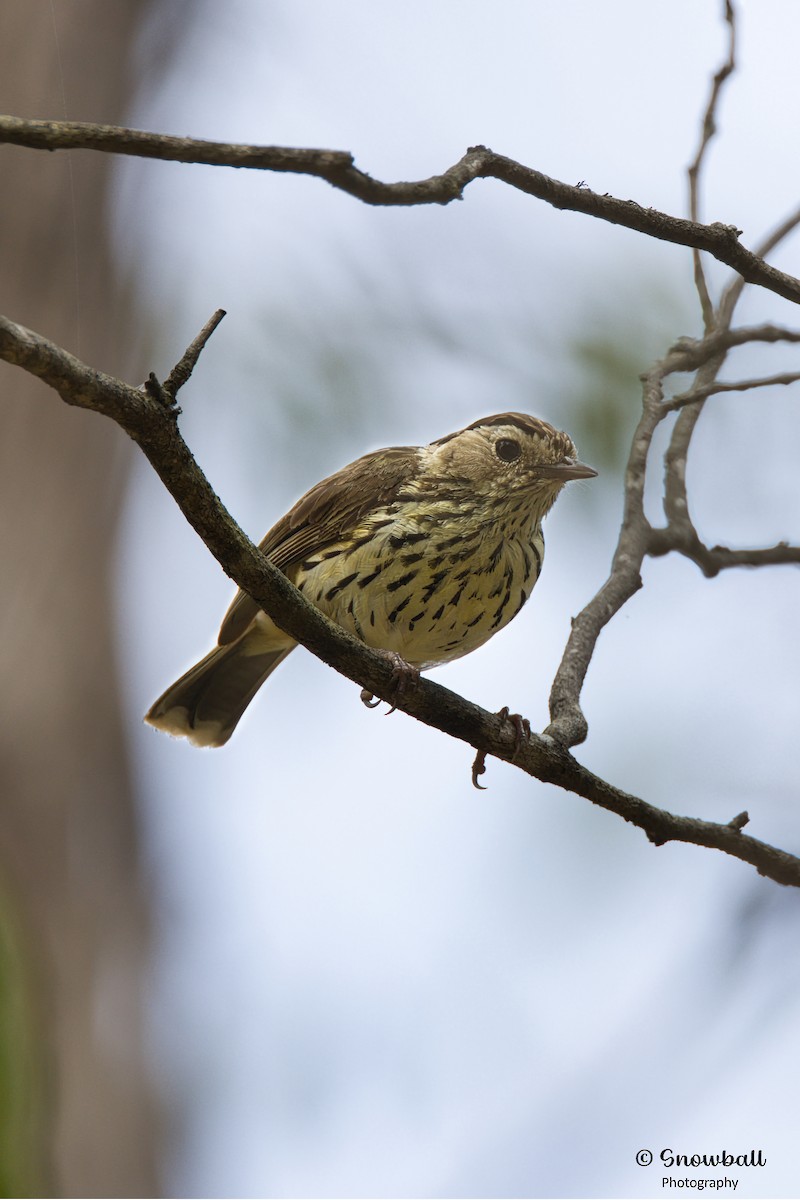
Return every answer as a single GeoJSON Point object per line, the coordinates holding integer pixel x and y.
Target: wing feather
{"type": "Point", "coordinates": [322, 516]}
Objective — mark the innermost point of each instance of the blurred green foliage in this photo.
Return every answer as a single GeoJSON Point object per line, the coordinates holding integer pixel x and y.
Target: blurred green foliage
{"type": "Point", "coordinates": [605, 418]}
{"type": "Point", "coordinates": [601, 358]}
{"type": "Point", "coordinates": [23, 1170]}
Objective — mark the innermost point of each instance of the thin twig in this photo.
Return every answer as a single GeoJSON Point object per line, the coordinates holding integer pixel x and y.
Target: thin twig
{"type": "Point", "coordinates": [680, 536]}
{"type": "Point", "coordinates": [181, 372]}
{"type": "Point", "coordinates": [693, 353]}
{"type": "Point", "coordinates": [742, 385]}
{"type": "Point", "coordinates": [708, 131]}
{"type": "Point", "coordinates": [707, 357]}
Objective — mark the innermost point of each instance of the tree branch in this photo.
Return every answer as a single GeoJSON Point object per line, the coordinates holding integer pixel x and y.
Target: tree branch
{"type": "Point", "coordinates": [337, 167]}
{"type": "Point", "coordinates": [743, 385]}
{"type": "Point", "coordinates": [711, 560]}
{"type": "Point", "coordinates": [707, 133]}
{"type": "Point", "coordinates": [568, 725]}
{"type": "Point", "coordinates": [733, 292]}
{"type": "Point", "coordinates": [153, 426]}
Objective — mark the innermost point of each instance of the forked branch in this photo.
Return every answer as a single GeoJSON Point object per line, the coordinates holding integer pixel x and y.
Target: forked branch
{"type": "Point", "coordinates": [704, 358]}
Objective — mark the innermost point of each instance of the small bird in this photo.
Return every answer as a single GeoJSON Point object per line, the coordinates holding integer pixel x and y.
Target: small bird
{"type": "Point", "coordinates": [422, 552]}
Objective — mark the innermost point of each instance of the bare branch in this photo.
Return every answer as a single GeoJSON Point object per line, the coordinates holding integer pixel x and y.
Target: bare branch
{"type": "Point", "coordinates": [690, 354]}
{"type": "Point", "coordinates": [733, 292]}
{"type": "Point", "coordinates": [637, 538]}
{"type": "Point", "coordinates": [337, 168]}
{"type": "Point", "coordinates": [682, 537]}
{"type": "Point", "coordinates": [153, 426]}
{"type": "Point", "coordinates": [568, 726]}
{"type": "Point", "coordinates": [706, 356]}
{"type": "Point", "coordinates": [181, 372]}
{"type": "Point", "coordinates": [708, 131]}
{"type": "Point", "coordinates": [743, 385]}
{"type": "Point", "coordinates": [114, 139]}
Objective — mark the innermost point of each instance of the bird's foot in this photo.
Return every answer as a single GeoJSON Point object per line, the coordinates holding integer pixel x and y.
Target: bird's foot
{"type": "Point", "coordinates": [522, 728]}
{"type": "Point", "coordinates": [522, 731]}
{"type": "Point", "coordinates": [404, 676]}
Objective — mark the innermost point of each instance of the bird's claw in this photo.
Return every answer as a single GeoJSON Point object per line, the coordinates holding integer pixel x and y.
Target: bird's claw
{"type": "Point", "coordinates": [522, 731]}
{"type": "Point", "coordinates": [479, 768]}
{"type": "Point", "coordinates": [404, 676]}
{"type": "Point", "coordinates": [522, 728]}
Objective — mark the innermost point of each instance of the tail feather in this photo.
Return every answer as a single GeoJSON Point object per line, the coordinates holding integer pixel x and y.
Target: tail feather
{"type": "Point", "coordinates": [206, 704]}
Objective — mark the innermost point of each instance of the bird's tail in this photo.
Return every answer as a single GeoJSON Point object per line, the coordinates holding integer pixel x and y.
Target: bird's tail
{"type": "Point", "coordinates": [206, 704]}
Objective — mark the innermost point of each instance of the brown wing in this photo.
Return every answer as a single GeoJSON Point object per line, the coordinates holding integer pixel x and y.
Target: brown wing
{"type": "Point", "coordinates": [322, 516]}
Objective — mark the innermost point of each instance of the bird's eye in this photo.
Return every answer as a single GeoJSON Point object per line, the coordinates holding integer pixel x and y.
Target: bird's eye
{"type": "Point", "coordinates": [507, 450]}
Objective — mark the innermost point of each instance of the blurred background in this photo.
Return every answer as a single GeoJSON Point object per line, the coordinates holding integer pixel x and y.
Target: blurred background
{"type": "Point", "coordinates": [318, 962]}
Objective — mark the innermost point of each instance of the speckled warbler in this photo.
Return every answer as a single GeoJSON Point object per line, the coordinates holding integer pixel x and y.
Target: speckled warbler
{"type": "Point", "coordinates": [423, 552]}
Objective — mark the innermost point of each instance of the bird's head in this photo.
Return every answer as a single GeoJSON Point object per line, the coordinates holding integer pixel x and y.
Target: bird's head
{"type": "Point", "coordinates": [505, 458]}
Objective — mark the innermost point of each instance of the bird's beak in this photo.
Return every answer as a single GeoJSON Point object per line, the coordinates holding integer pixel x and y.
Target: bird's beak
{"type": "Point", "coordinates": [566, 470]}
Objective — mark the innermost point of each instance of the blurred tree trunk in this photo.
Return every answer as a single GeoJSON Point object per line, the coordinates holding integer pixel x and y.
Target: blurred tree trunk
{"type": "Point", "coordinates": [74, 923]}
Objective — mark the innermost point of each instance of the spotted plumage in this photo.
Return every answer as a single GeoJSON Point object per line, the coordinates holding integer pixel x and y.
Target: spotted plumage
{"type": "Point", "coordinates": [423, 552]}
